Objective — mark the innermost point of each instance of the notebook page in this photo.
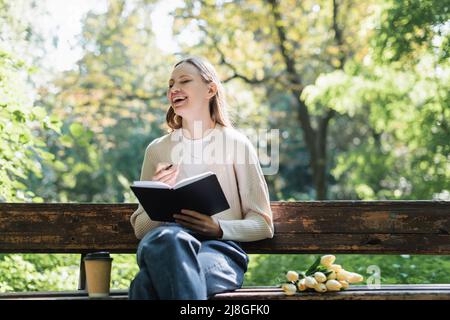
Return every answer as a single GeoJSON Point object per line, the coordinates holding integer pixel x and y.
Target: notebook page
{"type": "Point", "coordinates": [189, 180]}
{"type": "Point", "coordinates": [151, 184]}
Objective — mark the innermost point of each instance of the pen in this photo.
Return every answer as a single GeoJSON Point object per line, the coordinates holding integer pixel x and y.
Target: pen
{"type": "Point", "coordinates": [170, 165]}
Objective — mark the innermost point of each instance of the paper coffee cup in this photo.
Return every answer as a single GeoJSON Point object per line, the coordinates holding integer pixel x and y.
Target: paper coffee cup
{"type": "Point", "coordinates": [98, 274]}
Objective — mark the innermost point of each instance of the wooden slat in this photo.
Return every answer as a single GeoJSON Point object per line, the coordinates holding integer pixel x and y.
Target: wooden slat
{"type": "Point", "coordinates": [402, 292]}
{"type": "Point", "coordinates": [385, 292]}
{"type": "Point", "coordinates": [354, 243]}
{"type": "Point", "coordinates": [344, 295]}
{"type": "Point", "coordinates": [388, 227]}
{"type": "Point", "coordinates": [357, 217]}
{"type": "Point", "coordinates": [58, 295]}
{"type": "Point", "coordinates": [66, 227]}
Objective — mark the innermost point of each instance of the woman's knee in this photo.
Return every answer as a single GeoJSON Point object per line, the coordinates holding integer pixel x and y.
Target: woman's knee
{"type": "Point", "coordinates": [166, 236]}
{"type": "Point", "coordinates": [229, 249]}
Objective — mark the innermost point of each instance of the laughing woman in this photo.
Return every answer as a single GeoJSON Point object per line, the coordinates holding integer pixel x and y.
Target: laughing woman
{"type": "Point", "coordinates": [200, 255]}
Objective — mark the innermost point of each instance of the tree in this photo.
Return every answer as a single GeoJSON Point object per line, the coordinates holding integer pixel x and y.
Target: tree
{"type": "Point", "coordinates": [410, 27]}
{"type": "Point", "coordinates": [22, 150]}
{"type": "Point", "coordinates": [401, 88]}
{"type": "Point", "coordinates": [113, 105]}
{"type": "Point", "coordinates": [282, 46]}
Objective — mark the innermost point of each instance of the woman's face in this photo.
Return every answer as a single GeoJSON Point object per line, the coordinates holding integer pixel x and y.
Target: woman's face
{"type": "Point", "coordinates": [188, 94]}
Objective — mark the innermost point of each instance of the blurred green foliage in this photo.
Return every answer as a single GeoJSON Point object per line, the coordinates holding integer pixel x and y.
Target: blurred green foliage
{"type": "Point", "coordinates": [47, 272]}
{"type": "Point", "coordinates": [21, 152]}
{"type": "Point", "coordinates": [34, 272]}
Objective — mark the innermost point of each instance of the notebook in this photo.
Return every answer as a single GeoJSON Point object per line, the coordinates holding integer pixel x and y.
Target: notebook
{"type": "Point", "coordinates": [201, 193]}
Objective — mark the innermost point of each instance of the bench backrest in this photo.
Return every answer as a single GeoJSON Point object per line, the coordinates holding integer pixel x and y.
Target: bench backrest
{"type": "Point", "coordinates": [377, 227]}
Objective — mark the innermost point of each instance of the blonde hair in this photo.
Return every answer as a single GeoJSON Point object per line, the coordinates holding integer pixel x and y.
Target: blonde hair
{"type": "Point", "coordinates": [217, 104]}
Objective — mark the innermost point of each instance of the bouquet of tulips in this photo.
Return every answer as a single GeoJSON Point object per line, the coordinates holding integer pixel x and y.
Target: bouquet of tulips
{"type": "Point", "coordinates": [322, 276]}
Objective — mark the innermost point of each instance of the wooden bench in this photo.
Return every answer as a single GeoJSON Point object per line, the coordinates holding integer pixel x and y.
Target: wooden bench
{"type": "Point", "coordinates": [357, 227]}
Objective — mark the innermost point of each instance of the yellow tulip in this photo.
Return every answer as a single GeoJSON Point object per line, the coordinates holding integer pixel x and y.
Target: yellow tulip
{"type": "Point", "coordinates": [292, 276]}
{"type": "Point", "coordinates": [344, 284]}
{"type": "Point", "coordinates": [320, 277]}
{"type": "Point", "coordinates": [333, 285]}
{"type": "Point", "coordinates": [289, 289]}
{"type": "Point", "coordinates": [343, 275]}
{"type": "Point", "coordinates": [301, 285]}
{"type": "Point", "coordinates": [310, 282]}
{"type": "Point", "coordinates": [354, 277]}
{"type": "Point", "coordinates": [335, 267]}
{"type": "Point", "coordinates": [320, 287]}
{"type": "Point", "coordinates": [327, 260]}
{"type": "Point", "coordinates": [331, 276]}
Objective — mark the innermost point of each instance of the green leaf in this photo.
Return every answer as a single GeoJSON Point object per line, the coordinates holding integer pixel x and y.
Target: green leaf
{"type": "Point", "coordinates": [38, 200]}
{"type": "Point", "coordinates": [76, 130]}
{"type": "Point", "coordinates": [59, 165]}
{"type": "Point", "coordinates": [19, 116]}
{"type": "Point", "coordinates": [19, 185]}
{"type": "Point", "coordinates": [313, 267]}
{"type": "Point", "coordinates": [66, 140]}
{"type": "Point", "coordinates": [46, 155]}
{"type": "Point", "coordinates": [39, 112]}
{"type": "Point", "coordinates": [24, 138]}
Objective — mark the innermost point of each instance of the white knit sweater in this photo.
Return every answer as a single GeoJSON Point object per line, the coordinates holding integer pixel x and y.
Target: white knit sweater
{"type": "Point", "coordinates": [232, 157]}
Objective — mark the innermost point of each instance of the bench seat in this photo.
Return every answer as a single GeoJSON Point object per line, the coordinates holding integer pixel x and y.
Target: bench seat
{"type": "Point", "coordinates": [385, 292]}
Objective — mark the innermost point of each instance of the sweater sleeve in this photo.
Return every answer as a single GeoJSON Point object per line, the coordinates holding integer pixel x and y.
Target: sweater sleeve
{"type": "Point", "coordinates": [254, 227]}
{"type": "Point", "coordinates": [140, 220]}
{"type": "Point", "coordinates": [257, 223]}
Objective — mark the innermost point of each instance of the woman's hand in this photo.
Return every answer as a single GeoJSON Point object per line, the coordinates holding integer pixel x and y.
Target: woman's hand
{"type": "Point", "coordinates": [168, 176]}
{"type": "Point", "coordinates": [201, 223]}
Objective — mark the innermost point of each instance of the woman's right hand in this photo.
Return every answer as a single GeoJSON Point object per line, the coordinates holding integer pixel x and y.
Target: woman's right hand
{"type": "Point", "coordinates": [168, 176]}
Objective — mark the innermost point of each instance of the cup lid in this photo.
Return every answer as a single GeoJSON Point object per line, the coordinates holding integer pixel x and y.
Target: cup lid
{"type": "Point", "coordinates": [102, 255]}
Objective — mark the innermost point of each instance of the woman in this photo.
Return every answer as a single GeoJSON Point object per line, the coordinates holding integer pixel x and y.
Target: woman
{"type": "Point", "coordinates": [199, 255]}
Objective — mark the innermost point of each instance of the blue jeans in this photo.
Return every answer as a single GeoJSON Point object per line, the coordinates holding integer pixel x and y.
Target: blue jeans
{"type": "Point", "coordinates": [177, 263]}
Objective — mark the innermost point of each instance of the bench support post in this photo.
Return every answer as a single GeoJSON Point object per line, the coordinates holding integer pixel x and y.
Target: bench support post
{"type": "Point", "coordinates": [82, 278]}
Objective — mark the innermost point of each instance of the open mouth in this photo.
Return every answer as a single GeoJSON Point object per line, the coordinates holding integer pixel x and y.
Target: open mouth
{"type": "Point", "coordinates": [179, 101]}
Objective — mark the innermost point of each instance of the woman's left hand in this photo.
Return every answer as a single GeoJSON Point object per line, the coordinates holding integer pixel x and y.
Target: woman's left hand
{"type": "Point", "coordinates": [199, 222]}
